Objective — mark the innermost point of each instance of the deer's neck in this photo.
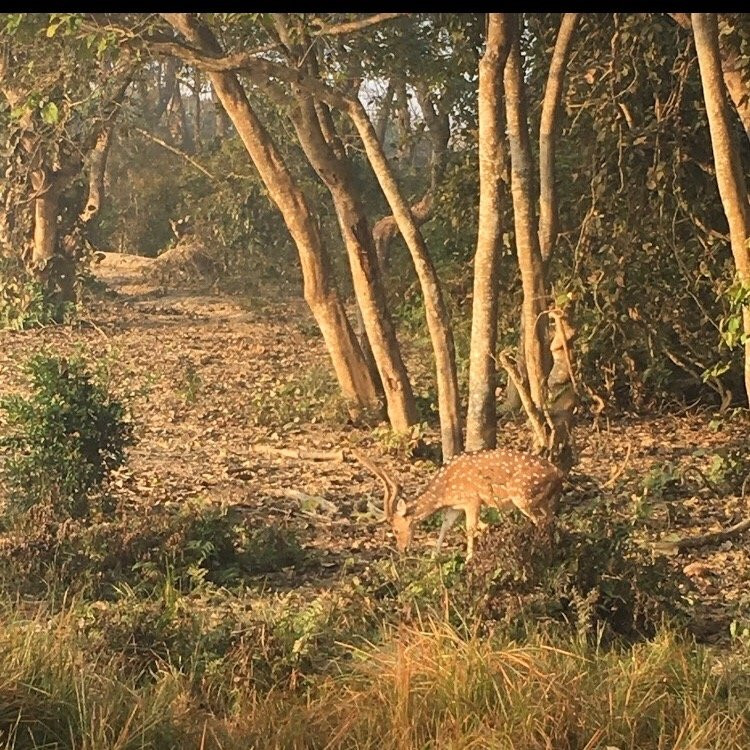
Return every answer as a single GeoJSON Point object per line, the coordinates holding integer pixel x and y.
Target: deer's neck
{"type": "Point", "coordinates": [430, 501]}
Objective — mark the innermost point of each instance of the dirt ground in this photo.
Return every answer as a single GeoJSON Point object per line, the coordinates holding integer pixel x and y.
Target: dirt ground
{"type": "Point", "coordinates": [198, 367]}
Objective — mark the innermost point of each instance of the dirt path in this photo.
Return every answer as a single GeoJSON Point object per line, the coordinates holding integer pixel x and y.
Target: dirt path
{"type": "Point", "coordinates": [209, 379]}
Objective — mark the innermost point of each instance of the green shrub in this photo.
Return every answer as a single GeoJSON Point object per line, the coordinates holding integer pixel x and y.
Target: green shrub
{"type": "Point", "coordinates": [24, 302]}
{"type": "Point", "coordinates": [190, 545]}
{"type": "Point", "coordinates": [64, 440]}
{"type": "Point", "coordinates": [594, 577]}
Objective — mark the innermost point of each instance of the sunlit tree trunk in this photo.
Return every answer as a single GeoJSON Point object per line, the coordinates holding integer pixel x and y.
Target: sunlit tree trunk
{"type": "Point", "coordinates": [733, 71]}
{"type": "Point", "coordinates": [480, 414]}
{"type": "Point", "coordinates": [548, 129]}
{"type": "Point", "coordinates": [438, 320]}
{"type": "Point", "coordinates": [729, 176]}
{"type": "Point", "coordinates": [536, 339]}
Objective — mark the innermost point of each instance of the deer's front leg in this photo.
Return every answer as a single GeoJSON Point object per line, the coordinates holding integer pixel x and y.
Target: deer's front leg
{"type": "Point", "coordinates": [449, 518]}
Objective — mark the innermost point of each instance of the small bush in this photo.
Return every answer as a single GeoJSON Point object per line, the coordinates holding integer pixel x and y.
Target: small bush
{"type": "Point", "coordinates": [194, 544]}
{"type": "Point", "coordinates": [594, 577]}
{"type": "Point", "coordinates": [24, 302]}
{"type": "Point", "coordinates": [64, 440]}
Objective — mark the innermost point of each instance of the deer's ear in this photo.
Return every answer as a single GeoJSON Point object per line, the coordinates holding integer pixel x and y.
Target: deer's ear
{"type": "Point", "coordinates": [401, 507]}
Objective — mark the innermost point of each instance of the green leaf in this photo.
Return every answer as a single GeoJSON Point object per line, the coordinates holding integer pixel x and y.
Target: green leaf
{"type": "Point", "coordinates": [50, 113]}
{"type": "Point", "coordinates": [52, 28]}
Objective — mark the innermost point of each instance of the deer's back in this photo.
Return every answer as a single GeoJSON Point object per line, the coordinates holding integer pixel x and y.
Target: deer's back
{"type": "Point", "coordinates": [495, 477]}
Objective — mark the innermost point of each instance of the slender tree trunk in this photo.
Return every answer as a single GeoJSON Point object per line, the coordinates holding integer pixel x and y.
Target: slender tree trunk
{"type": "Point", "coordinates": [180, 126]}
{"type": "Point", "coordinates": [97, 170]}
{"type": "Point", "coordinates": [221, 124]}
{"type": "Point", "coordinates": [198, 80]}
{"type": "Point", "coordinates": [403, 120]}
{"type": "Point", "coordinates": [550, 123]}
{"type": "Point", "coordinates": [536, 339]}
{"type": "Point", "coordinates": [438, 321]}
{"type": "Point", "coordinates": [368, 286]}
{"type": "Point", "coordinates": [438, 127]}
{"type": "Point", "coordinates": [384, 114]}
{"type": "Point", "coordinates": [320, 290]}
{"type": "Point", "coordinates": [732, 70]}
{"type": "Point", "coordinates": [548, 200]}
{"type": "Point", "coordinates": [480, 415]}
{"type": "Point", "coordinates": [166, 90]}
{"type": "Point", "coordinates": [729, 177]}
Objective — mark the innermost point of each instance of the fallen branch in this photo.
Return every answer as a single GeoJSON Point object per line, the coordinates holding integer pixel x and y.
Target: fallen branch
{"type": "Point", "coordinates": [703, 540]}
{"type": "Point", "coordinates": [309, 454]}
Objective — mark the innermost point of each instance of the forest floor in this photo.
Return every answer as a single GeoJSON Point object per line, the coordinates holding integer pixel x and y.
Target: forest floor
{"type": "Point", "coordinates": [209, 378]}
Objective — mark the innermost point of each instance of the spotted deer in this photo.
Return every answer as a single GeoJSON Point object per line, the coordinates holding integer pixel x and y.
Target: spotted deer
{"type": "Point", "coordinates": [495, 478]}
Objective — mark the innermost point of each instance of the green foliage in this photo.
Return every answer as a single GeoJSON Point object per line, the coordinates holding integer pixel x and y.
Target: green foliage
{"type": "Point", "coordinates": [399, 443]}
{"type": "Point", "coordinates": [26, 302]}
{"type": "Point", "coordinates": [195, 544]}
{"type": "Point", "coordinates": [64, 440]}
{"type": "Point", "coordinates": [594, 577]}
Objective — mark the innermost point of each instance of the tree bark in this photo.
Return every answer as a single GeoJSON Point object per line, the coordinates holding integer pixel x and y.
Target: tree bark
{"type": "Point", "coordinates": [179, 126]}
{"type": "Point", "coordinates": [732, 73]}
{"type": "Point", "coordinates": [729, 177]}
{"type": "Point", "coordinates": [536, 338]}
{"type": "Point", "coordinates": [319, 286]}
{"type": "Point", "coordinates": [438, 321]}
{"type": "Point", "coordinates": [480, 414]}
{"type": "Point", "coordinates": [384, 113]}
{"type": "Point", "coordinates": [438, 127]}
{"type": "Point", "coordinates": [198, 82]}
{"type": "Point", "coordinates": [53, 268]}
{"type": "Point", "coordinates": [97, 170]}
{"type": "Point", "coordinates": [549, 125]}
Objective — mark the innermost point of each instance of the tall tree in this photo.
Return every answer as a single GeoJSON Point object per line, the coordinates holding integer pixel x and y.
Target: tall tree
{"type": "Point", "coordinates": [523, 192]}
{"type": "Point", "coordinates": [729, 176]}
{"type": "Point", "coordinates": [316, 132]}
{"type": "Point", "coordinates": [480, 415]}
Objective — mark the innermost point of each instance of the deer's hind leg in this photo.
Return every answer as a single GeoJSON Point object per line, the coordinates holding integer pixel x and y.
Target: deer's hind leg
{"type": "Point", "coordinates": [472, 519]}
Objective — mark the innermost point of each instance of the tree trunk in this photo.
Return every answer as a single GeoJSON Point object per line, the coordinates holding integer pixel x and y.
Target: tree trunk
{"type": "Point", "coordinates": [97, 170]}
{"type": "Point", "coordinates": [54, 269]}
{"type": "Point", "coordinates": [319, 285]}
{"type": "Point", "coordinates": [729, 177]}
{"type": "Point", "coordinates": [535, 324]}
{"type": "Point", "coordinates": [438, 127]}
{"type": "Point", "coordinates": [549, 125]}
{"type": "Point", "coordinates": [198, 81]}
{"type": "Point", "coordinates": [166, 90]}
{"type": "Point", "coordinates": [548, 201]}
{"type": "Point", "coordinates": [179, 126]}
{"type": "Point", "coordinates": [438, 321]}
{"type": "Point", "coordinates": [221, 124]}
{"type": "Point", "coordinates": [480, 414]}
{"type": "Point", "coordinates": [732, 71]}
{"type": "Point", "coordinates": [368, 286]}
{"type": "Point", "coordinates": [384, 113]}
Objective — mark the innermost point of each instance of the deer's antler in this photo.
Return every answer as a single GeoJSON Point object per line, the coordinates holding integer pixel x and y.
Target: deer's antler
{"type": "Point", "coordinates": [390, 486]}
